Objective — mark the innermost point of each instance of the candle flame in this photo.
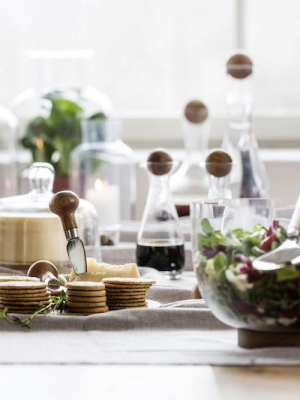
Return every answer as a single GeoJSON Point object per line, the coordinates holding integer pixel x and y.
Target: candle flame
{"type": "Point", "coordinates": [99, 185]}
{"type": "Point", "coordinates": [40, 144]}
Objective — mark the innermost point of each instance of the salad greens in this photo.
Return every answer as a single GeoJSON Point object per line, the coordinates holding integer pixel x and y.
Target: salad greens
{"type": "Point", "coordinates": [237, 291]}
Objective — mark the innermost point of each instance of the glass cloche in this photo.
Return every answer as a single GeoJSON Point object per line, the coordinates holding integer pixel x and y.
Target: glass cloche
{"type": "Point", "coordinates": [103, 172]}
{"type": "Point", "coordinates": [50, 111]}
{"type": "Point", "coordinates": [30, 232]}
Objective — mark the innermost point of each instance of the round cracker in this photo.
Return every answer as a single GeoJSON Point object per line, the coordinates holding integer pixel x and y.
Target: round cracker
{"type": "Point", "coordinates": [23, 303]}
{"type": "Point", "coordinates": [128, 281]}
{"type": "Point", "coordinates": [126, 296]}
{"type": "Point", "coordinates": [125, 305]}
{"type": "Point", "coordinates": [92, 293]}
{"type": "Point", "coordinates": [112, 308]}
{"type": "Point", "coordinates": [84, 313]}
{"type": "Point", "coordinates": [18, 278]}
{"type": "Point", "coordinates": [24, 295]}
{"type": "Point", "coordinates": [21, 299]}
{"type": "Point", "coordinates": [22, 285]}
{"type": "Point", "coordinates": [115, 286]}
{"type": "Point", "coordinates": [29, 312]}
{"type": "Point", "coordinates": [125, 290]}
{"type": "Point", "coordinates": [118, 301]}
{"type": "Point", "coordinates": [85, 285]}
{"type": "Point", "coordinates": [22, 291]}
{"type": "Point", "coordinates": [86, 299]}
{"type": "Point", "coordinates": [77, 304]}
{"type": "Point", "coordinates": [90, 310]}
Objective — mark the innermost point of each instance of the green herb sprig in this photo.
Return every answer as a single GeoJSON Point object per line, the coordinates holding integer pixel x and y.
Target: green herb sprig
{"type": "Point", "coordinates": [57, 304]}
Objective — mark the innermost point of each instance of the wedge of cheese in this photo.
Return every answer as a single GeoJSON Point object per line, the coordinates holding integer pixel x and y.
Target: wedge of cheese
{"type": "Point", "coordinates": [98, 271]}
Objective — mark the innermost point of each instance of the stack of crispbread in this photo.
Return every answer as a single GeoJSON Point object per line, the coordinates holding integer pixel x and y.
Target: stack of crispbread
{"type": "Point", "coordinates": [125, 293]}
{"type": "Point", "coordinates": [23, 297]}
{"type": "Point", "coordinates": [86, 298]}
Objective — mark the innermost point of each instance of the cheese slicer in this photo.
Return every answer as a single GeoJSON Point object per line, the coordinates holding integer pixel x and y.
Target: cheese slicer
{"type": "Point", "coordinates": [64, 204]}
{"type": "Point", "coordinates": [46, 272]}
{"type": "Point", "coordinates": [288, 252]}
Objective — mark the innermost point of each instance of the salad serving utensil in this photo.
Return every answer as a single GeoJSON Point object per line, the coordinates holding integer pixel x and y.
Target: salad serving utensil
{"type": "Point", "coordinates": [64, 204]}
{"type": "Point", "coordinates": [288, 252]}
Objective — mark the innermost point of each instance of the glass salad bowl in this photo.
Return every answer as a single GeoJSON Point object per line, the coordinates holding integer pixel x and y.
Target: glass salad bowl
{"type": "Point", "coordinates": [227, 236]}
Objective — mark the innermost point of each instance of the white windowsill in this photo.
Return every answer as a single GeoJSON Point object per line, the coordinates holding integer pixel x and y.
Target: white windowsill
{"type": "Point", "coordinates": [151, 131]}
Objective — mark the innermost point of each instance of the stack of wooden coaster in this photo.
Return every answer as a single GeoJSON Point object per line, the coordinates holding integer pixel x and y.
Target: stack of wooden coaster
{"type": "Point", "coordinates": [86, 297]}
{"type": "Point", "coordinates": [23, 297]}
{"type": "Point", "coordinates": [127, 292]}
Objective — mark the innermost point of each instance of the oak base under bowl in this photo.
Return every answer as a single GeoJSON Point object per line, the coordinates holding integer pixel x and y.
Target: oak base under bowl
{"type": "Point", "coordinates": [254, 339]}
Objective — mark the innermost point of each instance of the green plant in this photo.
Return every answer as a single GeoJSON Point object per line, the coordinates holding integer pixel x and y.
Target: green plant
{"type": "Point", "coordinates": [53, 138]}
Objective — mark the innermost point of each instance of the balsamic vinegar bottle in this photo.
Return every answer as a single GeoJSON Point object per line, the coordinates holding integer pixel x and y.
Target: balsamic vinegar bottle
{"type": "Point", "coordinates": [249, 177]}
{"type": "Point", "coordinates": [160, 243]}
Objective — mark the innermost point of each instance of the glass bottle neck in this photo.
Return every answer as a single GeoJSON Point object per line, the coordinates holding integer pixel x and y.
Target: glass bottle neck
{"type": "Point", "coordinates": [239, 100]}
{"type": "Point", "coordinates": [219, 188]}
{"type": "Point", "coordinates": [195, 137]}
{"type": "Point", "coordinates": [159, 186]}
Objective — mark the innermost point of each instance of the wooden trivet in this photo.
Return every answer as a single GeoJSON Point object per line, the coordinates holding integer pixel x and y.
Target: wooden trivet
{"type": "Point", "coordinates": [255, 339]}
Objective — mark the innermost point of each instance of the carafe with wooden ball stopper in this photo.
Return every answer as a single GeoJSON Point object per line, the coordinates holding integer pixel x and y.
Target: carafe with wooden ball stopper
{"type": "Point", "coordinates": [160, 242]}
{"type": "Point", "coordinates": [218, 165]}
{"type": "Point", "coordinates": [190, 180]}
{"type": "Point", "coordinates": [249, 177]}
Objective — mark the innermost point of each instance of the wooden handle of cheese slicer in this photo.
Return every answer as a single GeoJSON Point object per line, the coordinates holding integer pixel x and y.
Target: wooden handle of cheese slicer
{"type": "Point", "coordinates": [294, 224]}
{"type": "Point", "coordinates": [64, 204]}
{"type": "Point", "coordinates": [46, 272]}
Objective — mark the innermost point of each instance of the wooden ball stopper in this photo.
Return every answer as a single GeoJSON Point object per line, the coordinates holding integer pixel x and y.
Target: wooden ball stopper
{"type": "Point", "coordinates": [239, 66]}
{"type": "Point", "coordinates": [196, 112]}
{"type": "Point", "coordinates": [159, 162]}
{"type": "Point", "coordinates": [218, 163]}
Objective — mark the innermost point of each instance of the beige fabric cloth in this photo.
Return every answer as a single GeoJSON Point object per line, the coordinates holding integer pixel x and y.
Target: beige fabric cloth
{"type": "Point", "coordinates": [181, 332]}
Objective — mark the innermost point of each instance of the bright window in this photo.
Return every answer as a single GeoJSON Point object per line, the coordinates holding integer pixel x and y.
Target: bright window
{"type": "Point", "coordinates": [154, 55]}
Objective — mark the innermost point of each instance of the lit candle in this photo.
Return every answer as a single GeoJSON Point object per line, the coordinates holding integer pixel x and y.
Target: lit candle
{"type": "Point", "coordinates": [106, 199]}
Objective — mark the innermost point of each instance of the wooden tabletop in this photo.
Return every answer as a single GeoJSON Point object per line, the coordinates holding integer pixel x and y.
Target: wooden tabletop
{"type": "Point", "coordinates": [149, 382]}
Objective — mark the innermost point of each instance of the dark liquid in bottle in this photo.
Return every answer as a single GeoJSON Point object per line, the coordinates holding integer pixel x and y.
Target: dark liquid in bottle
{"type": "Point", "coordinates": [163, 257]}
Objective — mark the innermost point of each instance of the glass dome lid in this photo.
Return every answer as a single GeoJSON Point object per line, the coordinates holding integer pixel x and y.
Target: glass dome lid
{"type": "Point", "coordinates": [30, 232]}
{"type": "Point", "coordinates": [41, 177]}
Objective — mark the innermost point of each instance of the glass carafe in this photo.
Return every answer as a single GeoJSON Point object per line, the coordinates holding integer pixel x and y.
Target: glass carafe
{"type": "Point", "coordinates": [218, 165]}
{"type": "Point", "coordinates": [160, 242]}
{"type": "Point", "coordinates": [249, 178]}
{"type": "Point", "coordinates": [190, 182]}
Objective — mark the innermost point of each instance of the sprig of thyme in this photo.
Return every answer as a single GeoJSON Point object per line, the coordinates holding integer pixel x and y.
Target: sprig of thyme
{"type": "Point", "coordinates": [57, 304]}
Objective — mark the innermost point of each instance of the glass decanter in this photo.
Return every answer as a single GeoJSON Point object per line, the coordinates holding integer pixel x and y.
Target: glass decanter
{"type": "Point", "coordinates": [249, 178]}
{"type": "Point", "coordinates": [160, 242]}
{"type": "Point", "coordinates": [190, 182]}
{"type": "Point", "coordinates": [218, 165]}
